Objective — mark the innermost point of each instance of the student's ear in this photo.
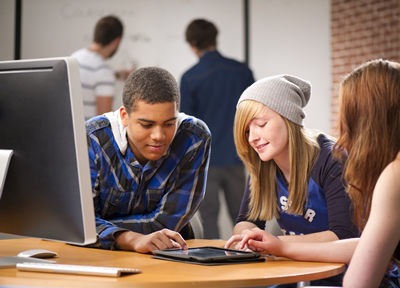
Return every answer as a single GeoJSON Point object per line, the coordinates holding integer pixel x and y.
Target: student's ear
{"type": "Point", "coordinates": [124, 116]}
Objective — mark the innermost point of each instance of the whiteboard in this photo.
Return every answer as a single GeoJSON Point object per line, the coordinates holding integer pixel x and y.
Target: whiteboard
{"type": "Point", "coordinates": [286, 36]}
{"type": "Point", "coordinates": [153, 30]}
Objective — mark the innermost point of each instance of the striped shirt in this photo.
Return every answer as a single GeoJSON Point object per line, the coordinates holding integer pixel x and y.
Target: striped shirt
{"type": "Point", "coordinates": [97, 79]}
{"type": "Point", "coordinates": [163, 194]}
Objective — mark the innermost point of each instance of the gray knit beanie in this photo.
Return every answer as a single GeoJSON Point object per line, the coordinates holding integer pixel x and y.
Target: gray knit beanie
{"type": "Point", "coordinates": [285, 94]}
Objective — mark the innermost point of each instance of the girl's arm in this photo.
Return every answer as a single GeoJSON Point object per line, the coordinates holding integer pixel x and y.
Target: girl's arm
{"type": "Point", "coordinates": [240, 229]}
{"type": "Point", "coordinates": [381, 234]}
{"type": "Point", "coordinates": [313, 237]}
{"type": "Point", "coordinates": [339, 251]}
{"type": "Point", "coordinates": [243, 227]}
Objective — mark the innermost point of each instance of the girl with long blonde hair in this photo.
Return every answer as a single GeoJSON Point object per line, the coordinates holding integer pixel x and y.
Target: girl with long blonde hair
{"type": "Point", "coordinates": [292, 173]}
{"type": "Point", "coordinates": [370, 134]}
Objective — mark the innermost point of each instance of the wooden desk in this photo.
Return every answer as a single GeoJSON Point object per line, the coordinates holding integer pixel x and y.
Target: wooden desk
{"type": "Point", "coordinates": [157, 273]}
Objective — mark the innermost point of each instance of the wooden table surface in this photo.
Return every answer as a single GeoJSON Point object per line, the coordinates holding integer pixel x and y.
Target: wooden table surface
{"type": "Point", "coordinates": [157, 273]}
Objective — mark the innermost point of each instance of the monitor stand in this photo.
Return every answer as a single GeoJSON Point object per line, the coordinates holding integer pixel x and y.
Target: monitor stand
{"type": "Point", "coordinates": [5, 157]}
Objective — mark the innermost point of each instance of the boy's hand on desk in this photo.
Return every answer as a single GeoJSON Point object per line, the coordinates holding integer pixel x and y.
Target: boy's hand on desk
{"type": "Point", "coordinates": [160, 240]}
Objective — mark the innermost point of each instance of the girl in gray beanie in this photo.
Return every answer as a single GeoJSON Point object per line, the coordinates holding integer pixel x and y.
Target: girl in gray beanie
{"type": "Point", "coordinates": [293, 176]}
{"type": "Point", "coordinates": [369, 126]}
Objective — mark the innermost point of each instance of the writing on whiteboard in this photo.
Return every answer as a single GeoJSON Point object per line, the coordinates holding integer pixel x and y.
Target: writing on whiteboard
{"type": "Point", "coordinates": [70, 11]}
{"type": "Point", "coordinates": [139, 37]}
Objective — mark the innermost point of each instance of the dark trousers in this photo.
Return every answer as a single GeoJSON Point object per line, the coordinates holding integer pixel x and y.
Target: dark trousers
{"type": "Point", "coordinates": [229, 179]}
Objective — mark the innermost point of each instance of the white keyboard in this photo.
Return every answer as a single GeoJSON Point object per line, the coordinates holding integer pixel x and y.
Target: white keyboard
{"type": "Point", "coordinates": [75, 269]}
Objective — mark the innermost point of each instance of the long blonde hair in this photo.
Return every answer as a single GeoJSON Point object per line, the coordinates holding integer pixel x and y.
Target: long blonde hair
{"type": "Point", "coordinates": [369, 124]}
{"type": "Point", "coordinates": [303, 149]}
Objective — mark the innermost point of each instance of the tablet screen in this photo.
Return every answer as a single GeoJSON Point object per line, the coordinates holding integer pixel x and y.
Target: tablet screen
{"type": "Point", "coordinates": [208, 253]}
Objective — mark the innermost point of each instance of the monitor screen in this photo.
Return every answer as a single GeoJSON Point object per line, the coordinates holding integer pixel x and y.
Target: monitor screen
{"type": "Point", "coordinates": [47, 187]}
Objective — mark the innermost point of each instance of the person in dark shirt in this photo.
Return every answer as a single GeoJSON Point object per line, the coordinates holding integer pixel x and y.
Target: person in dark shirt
{"type": "Point", "coordinates": [209, 91]}
{"type": "Point", "coordinates": [369, 125]}
{"type": "Point", "coordinates": [293, 174]}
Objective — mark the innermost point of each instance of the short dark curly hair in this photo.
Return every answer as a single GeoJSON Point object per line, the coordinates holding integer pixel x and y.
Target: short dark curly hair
{"type": "Point", "coordinates": [151, 85]}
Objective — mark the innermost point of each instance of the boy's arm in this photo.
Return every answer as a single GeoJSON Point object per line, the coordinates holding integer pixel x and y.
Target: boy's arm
{"type": "Point", "coordinates": [160, 240]}
{"type": "Point", "coordinates": [105, 230]}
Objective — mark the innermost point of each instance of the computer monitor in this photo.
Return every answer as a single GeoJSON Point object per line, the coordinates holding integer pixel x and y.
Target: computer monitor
{"type": "Point", "coordinates": [47, 187]}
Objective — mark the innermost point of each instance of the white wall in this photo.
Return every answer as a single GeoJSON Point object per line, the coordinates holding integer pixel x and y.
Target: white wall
{"type": "Point", "coordinates": [153, 30]}
{"type": "Point", "coordinates": [286, 36]}
{"type": "Point", "coordinates": [293, 37]}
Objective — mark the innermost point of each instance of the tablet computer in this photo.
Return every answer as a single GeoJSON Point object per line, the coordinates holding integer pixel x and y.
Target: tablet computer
{"type": "Point", "coordinates": [208, 254]}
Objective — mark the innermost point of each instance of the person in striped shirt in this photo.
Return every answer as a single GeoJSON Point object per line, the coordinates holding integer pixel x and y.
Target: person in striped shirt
{"type": "Point", "coordinates": [97, 77]}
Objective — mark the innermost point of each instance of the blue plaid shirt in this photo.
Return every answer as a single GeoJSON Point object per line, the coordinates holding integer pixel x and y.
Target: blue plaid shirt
{"type": "Point", "coordinates": [163, 194]}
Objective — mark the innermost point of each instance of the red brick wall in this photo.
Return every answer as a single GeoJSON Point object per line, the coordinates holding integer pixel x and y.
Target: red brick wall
{"type": "Point", "coordinates": [362, 30]}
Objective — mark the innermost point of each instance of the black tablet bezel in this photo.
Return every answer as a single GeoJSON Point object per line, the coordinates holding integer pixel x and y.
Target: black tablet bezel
{"type": "Point", "coordinates": [182, 254]}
